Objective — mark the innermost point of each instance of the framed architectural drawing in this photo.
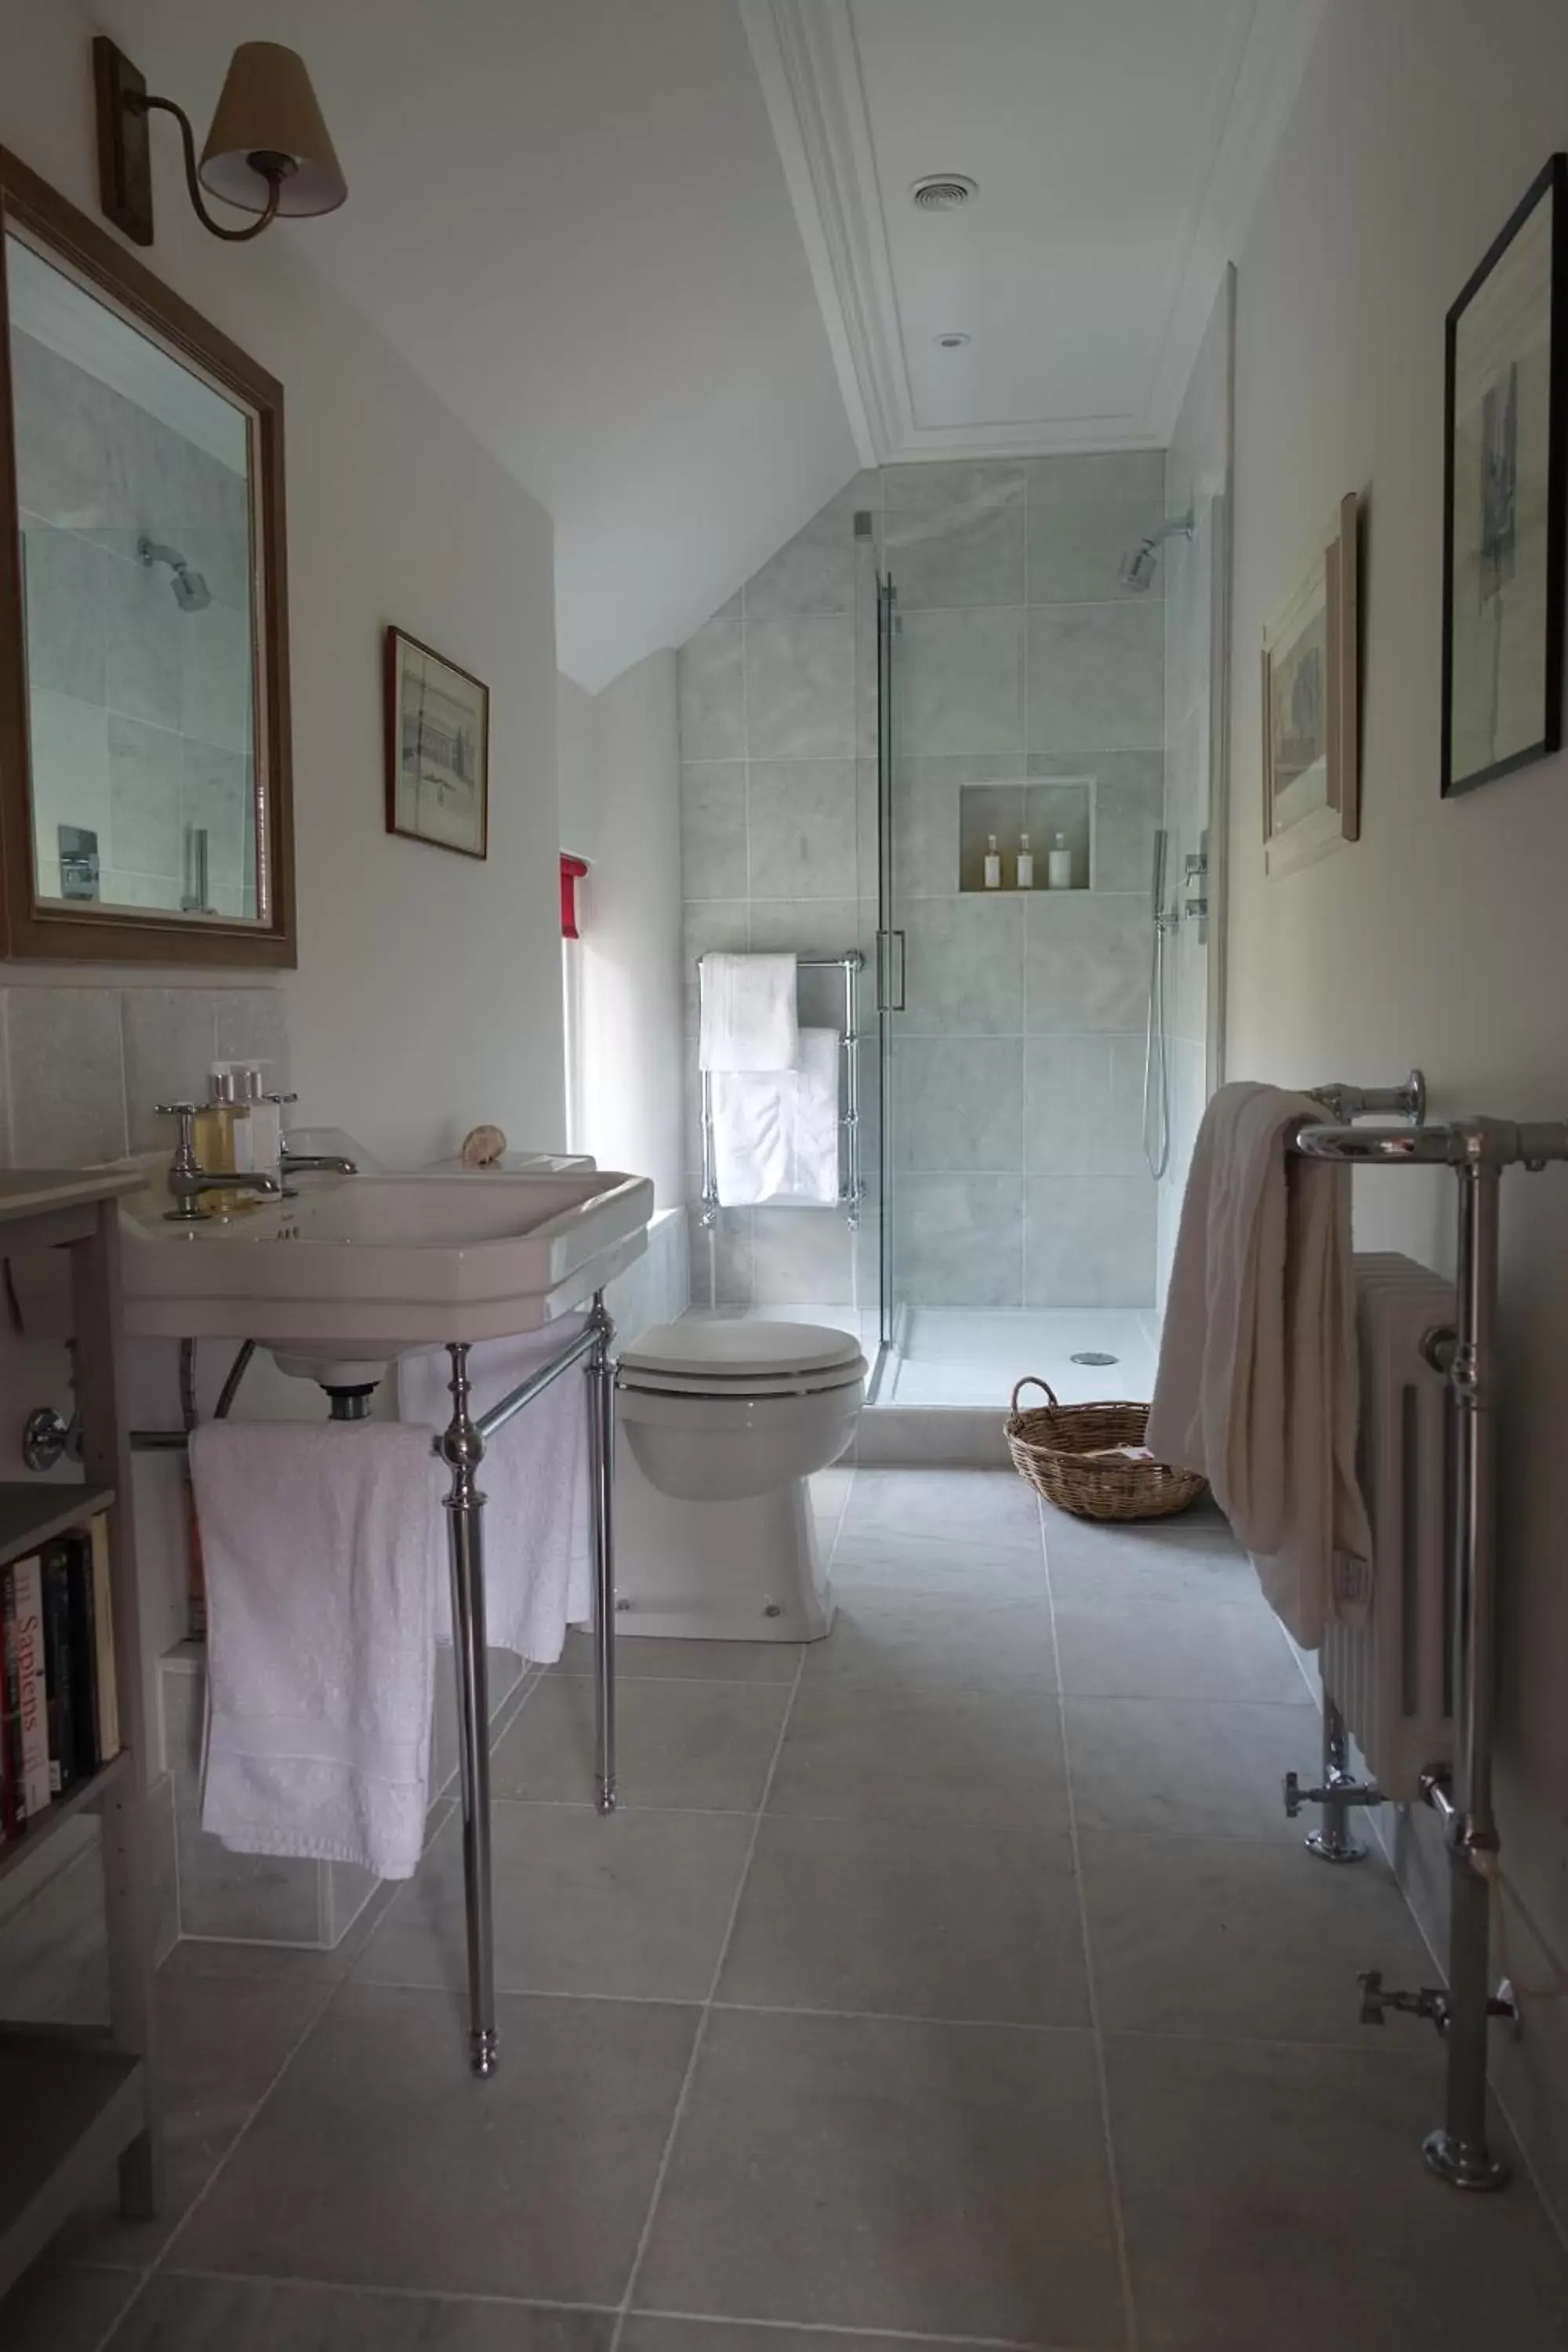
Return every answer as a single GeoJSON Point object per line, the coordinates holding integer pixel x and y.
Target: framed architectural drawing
{"type": "Point", "coordinates": [437, 748]}
{"type": "Point", "coordinates": [1505, 496]}
{"type": "Point", "coordinates": [1312, 706]}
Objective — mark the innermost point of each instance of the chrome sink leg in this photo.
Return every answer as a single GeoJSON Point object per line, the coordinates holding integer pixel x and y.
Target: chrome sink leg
{"type": "Point", "coordinates": [601, 1385]}
{"type": "Point", "coordinates": [463, 1450]}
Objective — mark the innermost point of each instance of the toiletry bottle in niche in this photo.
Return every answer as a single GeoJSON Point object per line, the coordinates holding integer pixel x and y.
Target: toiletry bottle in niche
{"type": "Point", "coordinates": [993, 864]}
{"type": "Point", "coordinates": [1025, 864]}
{"type": "Point", "coordinates": [1060, 865]}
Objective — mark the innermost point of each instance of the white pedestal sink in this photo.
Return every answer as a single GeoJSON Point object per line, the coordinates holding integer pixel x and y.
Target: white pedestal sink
{"type": "Point", "coordinates": [356, 1270]}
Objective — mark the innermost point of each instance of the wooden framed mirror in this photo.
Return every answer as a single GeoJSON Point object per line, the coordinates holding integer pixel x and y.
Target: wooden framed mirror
{"type": "Point", "coordinates": [145, 811]}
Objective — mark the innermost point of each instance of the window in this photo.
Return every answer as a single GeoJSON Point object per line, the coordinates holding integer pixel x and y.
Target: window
{"type": "Point", "coordinates": [573, 874]}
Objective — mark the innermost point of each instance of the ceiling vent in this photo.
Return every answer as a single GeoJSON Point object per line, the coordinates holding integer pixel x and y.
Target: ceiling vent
{"type": "Point", "coordinates": [943, 192]}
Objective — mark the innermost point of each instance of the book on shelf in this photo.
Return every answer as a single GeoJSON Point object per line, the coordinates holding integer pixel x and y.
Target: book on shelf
{"type": "Point", "coordinates": [58, 1705]}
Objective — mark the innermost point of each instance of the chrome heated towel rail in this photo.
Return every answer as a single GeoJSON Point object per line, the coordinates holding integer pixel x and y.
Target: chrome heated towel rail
{"type": "Point", "coordinates": [851, 1188]}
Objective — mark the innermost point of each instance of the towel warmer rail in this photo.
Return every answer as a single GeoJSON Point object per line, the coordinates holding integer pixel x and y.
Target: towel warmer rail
{"type": "Point", "coordinates": [851, 1188]}
{"type": "Point", "coordinates": [1478, 1151]}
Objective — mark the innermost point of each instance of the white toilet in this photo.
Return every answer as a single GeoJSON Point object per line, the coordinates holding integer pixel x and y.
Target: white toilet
{"type": "Point", "coordinates": [720, 1426]}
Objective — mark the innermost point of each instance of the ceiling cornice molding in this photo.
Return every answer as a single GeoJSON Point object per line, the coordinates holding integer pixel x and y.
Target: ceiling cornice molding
{"type": "Point", "coordinates": [808, 63]}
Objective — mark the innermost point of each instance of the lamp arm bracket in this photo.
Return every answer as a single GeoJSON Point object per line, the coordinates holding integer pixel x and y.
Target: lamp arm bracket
{"type": "Point", "coordinates": [274, 173]}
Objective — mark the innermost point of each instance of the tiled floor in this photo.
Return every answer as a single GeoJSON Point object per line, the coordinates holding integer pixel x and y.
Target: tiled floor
{"type": "Point", "coordinates": [958, 1982]}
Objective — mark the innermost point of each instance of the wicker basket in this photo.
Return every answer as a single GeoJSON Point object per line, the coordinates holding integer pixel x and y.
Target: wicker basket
{"type": "Point", "coordinates": [1060, 1449]}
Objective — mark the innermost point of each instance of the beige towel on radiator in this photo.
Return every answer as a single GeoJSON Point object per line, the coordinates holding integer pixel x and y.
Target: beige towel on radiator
{"type": "Point", "coordinates": [1256, 1385]}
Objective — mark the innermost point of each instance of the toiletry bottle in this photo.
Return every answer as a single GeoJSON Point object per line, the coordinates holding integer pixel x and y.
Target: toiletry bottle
{"type": "Point", "coordinates": [1060, 865]}
{"type": "Point", "coordinates": [1025, 864]}
{"type": "Point", "coordinates": [223, 1137]}
{"type": "Point", "coordinates": [993, 864]}
{"type": "Point", "coordinates": [264, 1123]}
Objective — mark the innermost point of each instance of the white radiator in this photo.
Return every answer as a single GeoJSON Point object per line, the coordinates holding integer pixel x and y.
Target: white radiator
{"type": "Point", "coordinates": [1391, 1676]}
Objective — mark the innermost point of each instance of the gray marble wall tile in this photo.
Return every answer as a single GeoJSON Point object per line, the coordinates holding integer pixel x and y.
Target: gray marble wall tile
{"type": "Point", "coordinates": [68, 1086]}
{"type": "Point", "coordinates": [960, 682]}
{"type": "Point", "coordinates": [799, 1255]}
{"type": "Point", "coordinates": [960, 1240]}
{"type": "Point", "coordinates": [713, 829]}
{"type": "Point", "coordinates": [66, 582]}
{"type": "Point", "coordinates": [215, 677]}
{"type": "Point", "coordinates": [146, 778]}
{"type": "Point", "coordinates": [800, 687]}
{"type": "Point", "coordinates": [69, 747]}
{"type": "Point", "coordinates": [964, 967]}
{"type": "Point", "coordinates": [721, 1259]}
{"type": "Point", "coordinates": [1090, 1241]}
{"type": "Point", "coordinates": [1084, 1105]}
{"type": "Point", "coordinates": [801, 828]}
{"type": "Point", "coordinates": [812, 927]}
{"type": "Point", "coordinates": [812, 572]}
{"type": "Point", "coordinates": [958, 1105]}
{"type": "Point", "coordinates": [170, 1037]}
{"type": "Point", "coordinates": [145, 643]}
{"type": "Point", "coordinates": [1127, 818]}
{"type": "Point", "coordinates": [1097, 477]}
{"type": "Point", "coordinates": [949, 485]}
{"type": "Point", "coordinates": [1096, 677]}
{"type": "Point", "coordinates": [712, 693]}
{"type": "Point", "coordinates": [215, 797]}
{"type": "Point", "coordinates": [964, 552]}
{"type": "Point", "coordinates": [1085, 514]}
{"type": "Point", "coordinates": [926, 812]}
{"type": "Point", "coordinates": [862, 491]}
{"type": "Point", "coordinates": [1086, 962]}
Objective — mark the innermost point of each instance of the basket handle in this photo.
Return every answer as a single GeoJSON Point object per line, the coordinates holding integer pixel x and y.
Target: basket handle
{"type": "Point", "coordinates": [1032, 1382]}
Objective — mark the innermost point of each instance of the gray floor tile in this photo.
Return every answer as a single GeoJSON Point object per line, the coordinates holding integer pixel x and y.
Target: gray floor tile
{"type": "Point", "coordinates": [1188, 1767]}
{"type": "Point", "coordinates": [380, 2160]}
{"type": "Point", "coordinates": [1180, 1560]}
{"type": "Point", "coordinates": [1276, 2196]}
{"type": "Point", "coordinates": [634, 1904]}
{"type": "Point", "coordinates": [650, 2334]}
{"type": "Point", "coordinates": [945, 1564]}
{"type": "Point", "coordinates": [1216, 1936]}
{"type": "Point", "coordinates": [220, 2049]}
{"type": "Point", "coordinates": [859, 1752]}
{"type": "Point", "coordinates": [645, 1658]}
{"type": "Point", "coordinates": [936, 1642]}
{"type": "Point", "coordinates": [194, 2315]}
{"type": "Point", "coordinates": [57, 2307]}
{"type": "Point", "coordinates": [874, 2173]}
{"type": "Point", "coordinates": [927, 1919]}
{"type": "Point", "coordinates": [1167, 1649]}
{"type": "Point", "coordinates": [683, 1744]}
{"type": "Point", "coordinates": [977, 1510]}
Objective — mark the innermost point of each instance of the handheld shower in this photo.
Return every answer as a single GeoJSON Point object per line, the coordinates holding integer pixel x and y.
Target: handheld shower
{"type": "Point", "coordinates": [191, 591]}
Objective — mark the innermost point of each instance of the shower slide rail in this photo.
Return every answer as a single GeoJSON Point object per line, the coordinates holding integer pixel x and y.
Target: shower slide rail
{"type": "Point", "coordinates": [1478, 1151]}
{"type": "Point", "coordinates": [851, 1188]}
{"type": "Point", "coordinates": [461, 1446]}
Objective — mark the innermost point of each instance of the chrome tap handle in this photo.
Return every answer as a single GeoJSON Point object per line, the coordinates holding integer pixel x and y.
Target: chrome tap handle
{"type": "Point", "coordinates": [185, 1161]}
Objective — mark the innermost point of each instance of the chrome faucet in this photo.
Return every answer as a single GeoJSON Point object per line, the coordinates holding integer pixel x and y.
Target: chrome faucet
{"type": "Point", "coordinates": [332, 1164]}
{"type": "Point", "coordinates": [188, 1179]}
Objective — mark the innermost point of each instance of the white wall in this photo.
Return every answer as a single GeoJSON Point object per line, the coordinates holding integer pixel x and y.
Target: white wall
{"type": "Point", "coordinates": [619, 779]}
{"type": "Point", "coordinates": [427, 995]}
{"type": "Point", "coordinates": [1440, 938]}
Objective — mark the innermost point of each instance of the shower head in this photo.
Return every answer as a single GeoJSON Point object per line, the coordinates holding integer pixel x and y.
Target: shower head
{"type": "Point", "coordinates": [1137, 567]}
{"type": "Point", "coordinates": [191, 591]}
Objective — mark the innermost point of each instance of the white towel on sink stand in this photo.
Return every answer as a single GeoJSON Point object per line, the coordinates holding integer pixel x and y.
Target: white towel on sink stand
{"type": "Point", "coordinates": [534, 1479]}
{"type": "Point", "coordinates": [323, 1548]}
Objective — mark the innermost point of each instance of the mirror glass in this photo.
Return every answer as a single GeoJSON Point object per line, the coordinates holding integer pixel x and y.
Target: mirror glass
{"type": "Point", "coordinates": [135, 488]}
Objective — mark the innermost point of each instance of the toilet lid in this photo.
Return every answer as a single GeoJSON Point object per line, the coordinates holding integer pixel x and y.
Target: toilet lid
{"type": "Point", "coordinates": [721, 1353]}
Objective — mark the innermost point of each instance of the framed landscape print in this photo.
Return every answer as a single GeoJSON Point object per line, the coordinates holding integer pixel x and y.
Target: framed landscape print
{"type": "Point", "coordinates": [1312, 706]}
{"type": "Point", "coordinates": [1505, 497]}
{"type": "Point", "coordinates": [437, 748]}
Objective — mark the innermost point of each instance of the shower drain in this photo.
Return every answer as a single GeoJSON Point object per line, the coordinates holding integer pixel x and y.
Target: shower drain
{"type": "Point", "coordinates": [1093, 1356]}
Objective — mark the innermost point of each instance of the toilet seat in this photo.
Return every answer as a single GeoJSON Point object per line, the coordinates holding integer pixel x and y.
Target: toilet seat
{"type": "Point", "coordinates": [741, 1361]}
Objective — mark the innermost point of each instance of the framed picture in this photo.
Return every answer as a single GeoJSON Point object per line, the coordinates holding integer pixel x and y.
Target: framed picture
{"type": "Point", "coordinates": [437, 748]}
{"type": "Point", "coordinates": [1312, 706]}
{"type": "Point", "coordinates": [1505, 497]}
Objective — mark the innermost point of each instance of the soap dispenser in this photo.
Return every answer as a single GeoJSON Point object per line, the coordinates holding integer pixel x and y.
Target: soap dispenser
{"type": "Point", "coordinates": [1060, 865]}
{"type": "Point", "coordinates": [993, 864]}
{"type": "Point", "coordinates": [1025, 864]}
{"type": "Point", "coordinates": [222, 1136]}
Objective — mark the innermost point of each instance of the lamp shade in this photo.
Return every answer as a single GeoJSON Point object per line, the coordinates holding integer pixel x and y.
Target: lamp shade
{"type": "Point", "coordinates": [266, 108]}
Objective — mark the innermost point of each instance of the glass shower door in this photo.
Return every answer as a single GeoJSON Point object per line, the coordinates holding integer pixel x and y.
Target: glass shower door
{"type": "Point", "coordinates": [889, 959]}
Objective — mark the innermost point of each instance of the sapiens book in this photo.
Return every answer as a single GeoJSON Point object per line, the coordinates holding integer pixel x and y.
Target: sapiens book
{"type": "Point", "coordinates": [103, 1642]}
{"type": "Point", "coordinates": [25, 1638]}
{"type": "Point", "coordinates": [55, 1572]}
{"type": "Point", "coordinates": [12, 1814]}
{"type": "Point", "coordinates": [71, 1660]}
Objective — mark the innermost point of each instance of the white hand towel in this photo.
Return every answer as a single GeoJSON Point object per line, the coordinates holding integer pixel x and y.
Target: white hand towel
{"type": "Point", "coordinates": [748, 1013]}
{"type": "Point", "coordinates": [775, 1132]}
{"type": "Point", "coordinates": [534, 1479]}
{"type": "Point", "coordinates": [321, 1544]}
{"type": "Point", "coordinates": [1258, 1381]}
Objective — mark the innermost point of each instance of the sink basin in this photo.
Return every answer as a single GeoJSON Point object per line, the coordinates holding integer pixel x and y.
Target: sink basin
{"type": "Point", "coordinates": [357, 1270]}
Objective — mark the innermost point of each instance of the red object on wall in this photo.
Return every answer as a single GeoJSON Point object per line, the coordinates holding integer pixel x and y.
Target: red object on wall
{"type": "Point", "coordinates": [572, 871]}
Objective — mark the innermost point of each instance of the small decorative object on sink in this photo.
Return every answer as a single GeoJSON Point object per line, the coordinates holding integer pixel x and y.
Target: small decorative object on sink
{"type": "Point", "coordinates": [483, 1146]}
{"type": "Point", "coordinates": [437, 748]}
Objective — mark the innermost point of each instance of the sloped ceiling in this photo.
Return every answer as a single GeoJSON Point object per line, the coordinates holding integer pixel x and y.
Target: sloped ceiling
{"type": "Point", "coordinates": [570, 217]}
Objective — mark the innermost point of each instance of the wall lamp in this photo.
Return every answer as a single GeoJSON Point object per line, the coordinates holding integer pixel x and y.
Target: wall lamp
{"type": "Point", "coordinates": [268, 152]}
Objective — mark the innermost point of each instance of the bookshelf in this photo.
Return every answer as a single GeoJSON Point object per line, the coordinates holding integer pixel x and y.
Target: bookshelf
{"type": "Point", "coordinates": [87, 2096]}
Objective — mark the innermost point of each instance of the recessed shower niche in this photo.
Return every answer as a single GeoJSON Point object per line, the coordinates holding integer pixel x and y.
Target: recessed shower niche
{"type": "Point", "coordinates": [1041, 809]}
